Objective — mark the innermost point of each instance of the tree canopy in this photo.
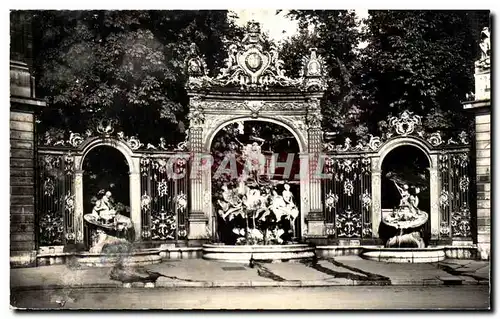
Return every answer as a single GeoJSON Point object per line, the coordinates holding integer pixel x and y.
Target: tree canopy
{"type": "Point", "coordinates": [129, 65]}
{"type": "Point", "coordinates": [122, 64]}
{"type": "Point", "coordinates": [421, 61]}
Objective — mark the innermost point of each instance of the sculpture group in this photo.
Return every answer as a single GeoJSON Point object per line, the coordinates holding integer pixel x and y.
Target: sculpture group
{"type": "Point", "coordinates": [252, 209]}
{"type": "Point", "coordinates": [407, 218]}
{"type": "Point", "coordinates": [108, 227]}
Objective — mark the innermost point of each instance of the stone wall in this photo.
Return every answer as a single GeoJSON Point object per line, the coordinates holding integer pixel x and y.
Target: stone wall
{"type": "Point", "coordinates": [483, 182]}
{"type": "Point", "coordinates": [22, 191]}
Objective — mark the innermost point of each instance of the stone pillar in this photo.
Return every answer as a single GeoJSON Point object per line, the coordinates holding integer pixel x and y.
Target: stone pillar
{"type": "Point", "coordinates": [135, 198]}
{"type": "Point", "coordinates": [78, 214]}
{"type": "Point", "coordinates": [481, 106]}
{"type": "Point", "coordinates": [376, 206]}
{"type": "Point", "coordinates": [315, 216]}
{"type": "Point", "coordinates": [200, 177]}
{"type": "Point", "coordinates": [434, 199]}
{"type": "Point", "coordinates": [483, 183]}
{"type": "Point", "coordinates": [22, 166]}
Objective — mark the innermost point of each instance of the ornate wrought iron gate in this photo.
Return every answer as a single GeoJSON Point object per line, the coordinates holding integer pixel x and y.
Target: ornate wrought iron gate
{"type": "Point", "coordinates": [348, 197]}
{"type": "Point", "coordinates": [55, 199]}
{"type": "Point", "coordinates": [164, 204]}
{"type": "Point", "coordinates": [454, 199]}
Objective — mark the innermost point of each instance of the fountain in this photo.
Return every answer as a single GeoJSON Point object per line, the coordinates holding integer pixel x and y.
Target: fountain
{"type": "Point", "coordinates": [408, 220]}
{"type": "Point", "coordinates": [258, 219]}
{"type": "Point", "coordinates": [111, 235]}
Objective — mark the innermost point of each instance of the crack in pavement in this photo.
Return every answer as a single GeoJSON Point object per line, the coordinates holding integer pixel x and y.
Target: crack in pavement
{"type": "Point", "coordinates": [264, 272]}
{"type": "Point", "coordinates": [454, 272]}
{"type": "Point", "coordinates": [347, 275]}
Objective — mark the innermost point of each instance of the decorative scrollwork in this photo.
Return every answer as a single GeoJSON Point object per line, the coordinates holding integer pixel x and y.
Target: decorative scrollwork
{"type": "Point", "coordinates": [69, 162]}
{"type": "Point", "coordinates": [75, 139]}
{"type": "Point", "coordinates": [435, 139]}
{"type": "Point", "coordinates": [348, 187]}
{"type": "Point", "coordinates": [162, 188]}
{"type": "Point", "coordinates": [464, 183]}
{"type": "Point", "coordinates": [145, 162]}
{"type": "Point", "coordinates": [163, 225]}
{"type": "Point", "coordinates": [406, 123]}
{"type": "Point", "coordinates": [331, 200]}
{"type": "Point", "coordinates": [51, 228]}
{"type": "Point", "coordinates": [69, 202]}
{"type": "Point", "coordinates": [48, 187]}
{"type": "Point", "coordinates": [460, 222]}
{"type": "Point", "coordinates": [443, 162]}
{"type": "Point", "coordinates": [444, 229]}
{"type": "Point", "coordinates": [348, 224]}
{"type": "Point", "coordinates": [444, 198]}
{"type": "Point", "coordinates": [106, 126]}
{"type": "Point", "coordinates": [181, 201]}
{"type": "Point", "coordinates": [145, 202]}
{"type": "Point", "coordinates": [366, 200]}
{"type": "Point", "coordinates": [330, 229]}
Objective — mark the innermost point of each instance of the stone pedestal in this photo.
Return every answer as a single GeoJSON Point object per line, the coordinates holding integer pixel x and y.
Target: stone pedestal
{"type": "Point", "coordinates": [22, 166]}
{"type": "Point", "coordinates": [198, 226]}
{"type": "Point", "coordinates": [315, 224]}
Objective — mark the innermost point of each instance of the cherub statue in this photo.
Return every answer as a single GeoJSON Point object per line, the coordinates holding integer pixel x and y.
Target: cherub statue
{"type": "Point", "coordinates": [405, 194]}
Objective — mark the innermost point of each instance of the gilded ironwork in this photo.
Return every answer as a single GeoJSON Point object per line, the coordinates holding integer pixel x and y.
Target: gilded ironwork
{"type": "Point", "coordinates": [164, 203]}
{"type": "Point", "coordinates": [454, 198]}
{"type": "Point", "coordinates": [406, 124]}
{"type": "Point", "coordinates": [163, 225]}
{"type": "Point", "coordinates": [349, 223]}
{"type": "Point", "coordinates": [51, 228]}
{"type": "Point", "coordinates": [460, 223]}
{"type": "Point", "coordinates": [348, 201]}
{"type": "Point", "coordinates": [250, 66]}
{"type": "Point", "coordinates": [55, 200]}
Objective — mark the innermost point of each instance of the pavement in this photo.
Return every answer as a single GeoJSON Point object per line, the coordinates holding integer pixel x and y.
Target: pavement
{"type": "Point", "coordinates": [338, 271]}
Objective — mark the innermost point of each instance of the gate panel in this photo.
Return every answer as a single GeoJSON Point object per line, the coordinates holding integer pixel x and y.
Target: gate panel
{"type": "Point", "coordinates": [164, 198]}
{"type": "Point", "coordinates": [347, 197]}
{"type": "Point", "coordinates": [454, 199]}
{"type": "Point", "coordinates": [55, 199]}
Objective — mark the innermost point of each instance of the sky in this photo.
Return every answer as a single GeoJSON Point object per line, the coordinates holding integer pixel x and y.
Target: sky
{"type": "Point", "coordinates": [278, 26]}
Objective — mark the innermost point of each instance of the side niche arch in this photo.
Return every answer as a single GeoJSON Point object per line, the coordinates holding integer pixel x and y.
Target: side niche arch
{"type": "Point", "coordinates": [394, 143]}
{"type": "Point", "coordinates": [86, 147]}
{"type": "Point", "coordinates": [133, 162]}
{"type": "Point", "coordinates": [434, 183]}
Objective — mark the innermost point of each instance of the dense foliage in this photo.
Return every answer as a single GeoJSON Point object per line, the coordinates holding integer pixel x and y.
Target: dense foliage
{"type": "Point", "coordinates": [422, 61]}
{"type": "Point", "coordinates": [122, 64]}
{"type": "Point", "coordinates": [336, 36]}
{"type": "Point", "coordinates": [129, 65]}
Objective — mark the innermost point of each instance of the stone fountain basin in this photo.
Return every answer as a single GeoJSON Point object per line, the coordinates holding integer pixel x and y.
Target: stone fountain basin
{"type": "Point", "coordinates": [266, 253]}
{"type": "Point", "coordinates": [405, 255]}
{"type": "Point", "coordinates": [135, 258]}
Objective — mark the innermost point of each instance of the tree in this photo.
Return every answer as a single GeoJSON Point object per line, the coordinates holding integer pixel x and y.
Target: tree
{"type": "Point", "coordinates": [122, 64]}
{"type": "Point", "coordinates": [336, 35]}
{"type": "Point", "coordinates": [422, 61]}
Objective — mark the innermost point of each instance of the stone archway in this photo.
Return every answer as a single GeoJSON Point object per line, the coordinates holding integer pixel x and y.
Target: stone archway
{"type": "Point", "coordinates": [290, 114]}
{"type": "Point", "coordinates": [252, 85]}
{"type": "Point", "coordinates": [133, 161]}
{"type": "Point", "coordinates": [275, 154]}
{"type": "Point", "coordinates": [377, 162]}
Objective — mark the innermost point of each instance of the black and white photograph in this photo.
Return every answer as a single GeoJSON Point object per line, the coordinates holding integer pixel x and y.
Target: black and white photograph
{"type": "Point", "coordinates": [250, 159]}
